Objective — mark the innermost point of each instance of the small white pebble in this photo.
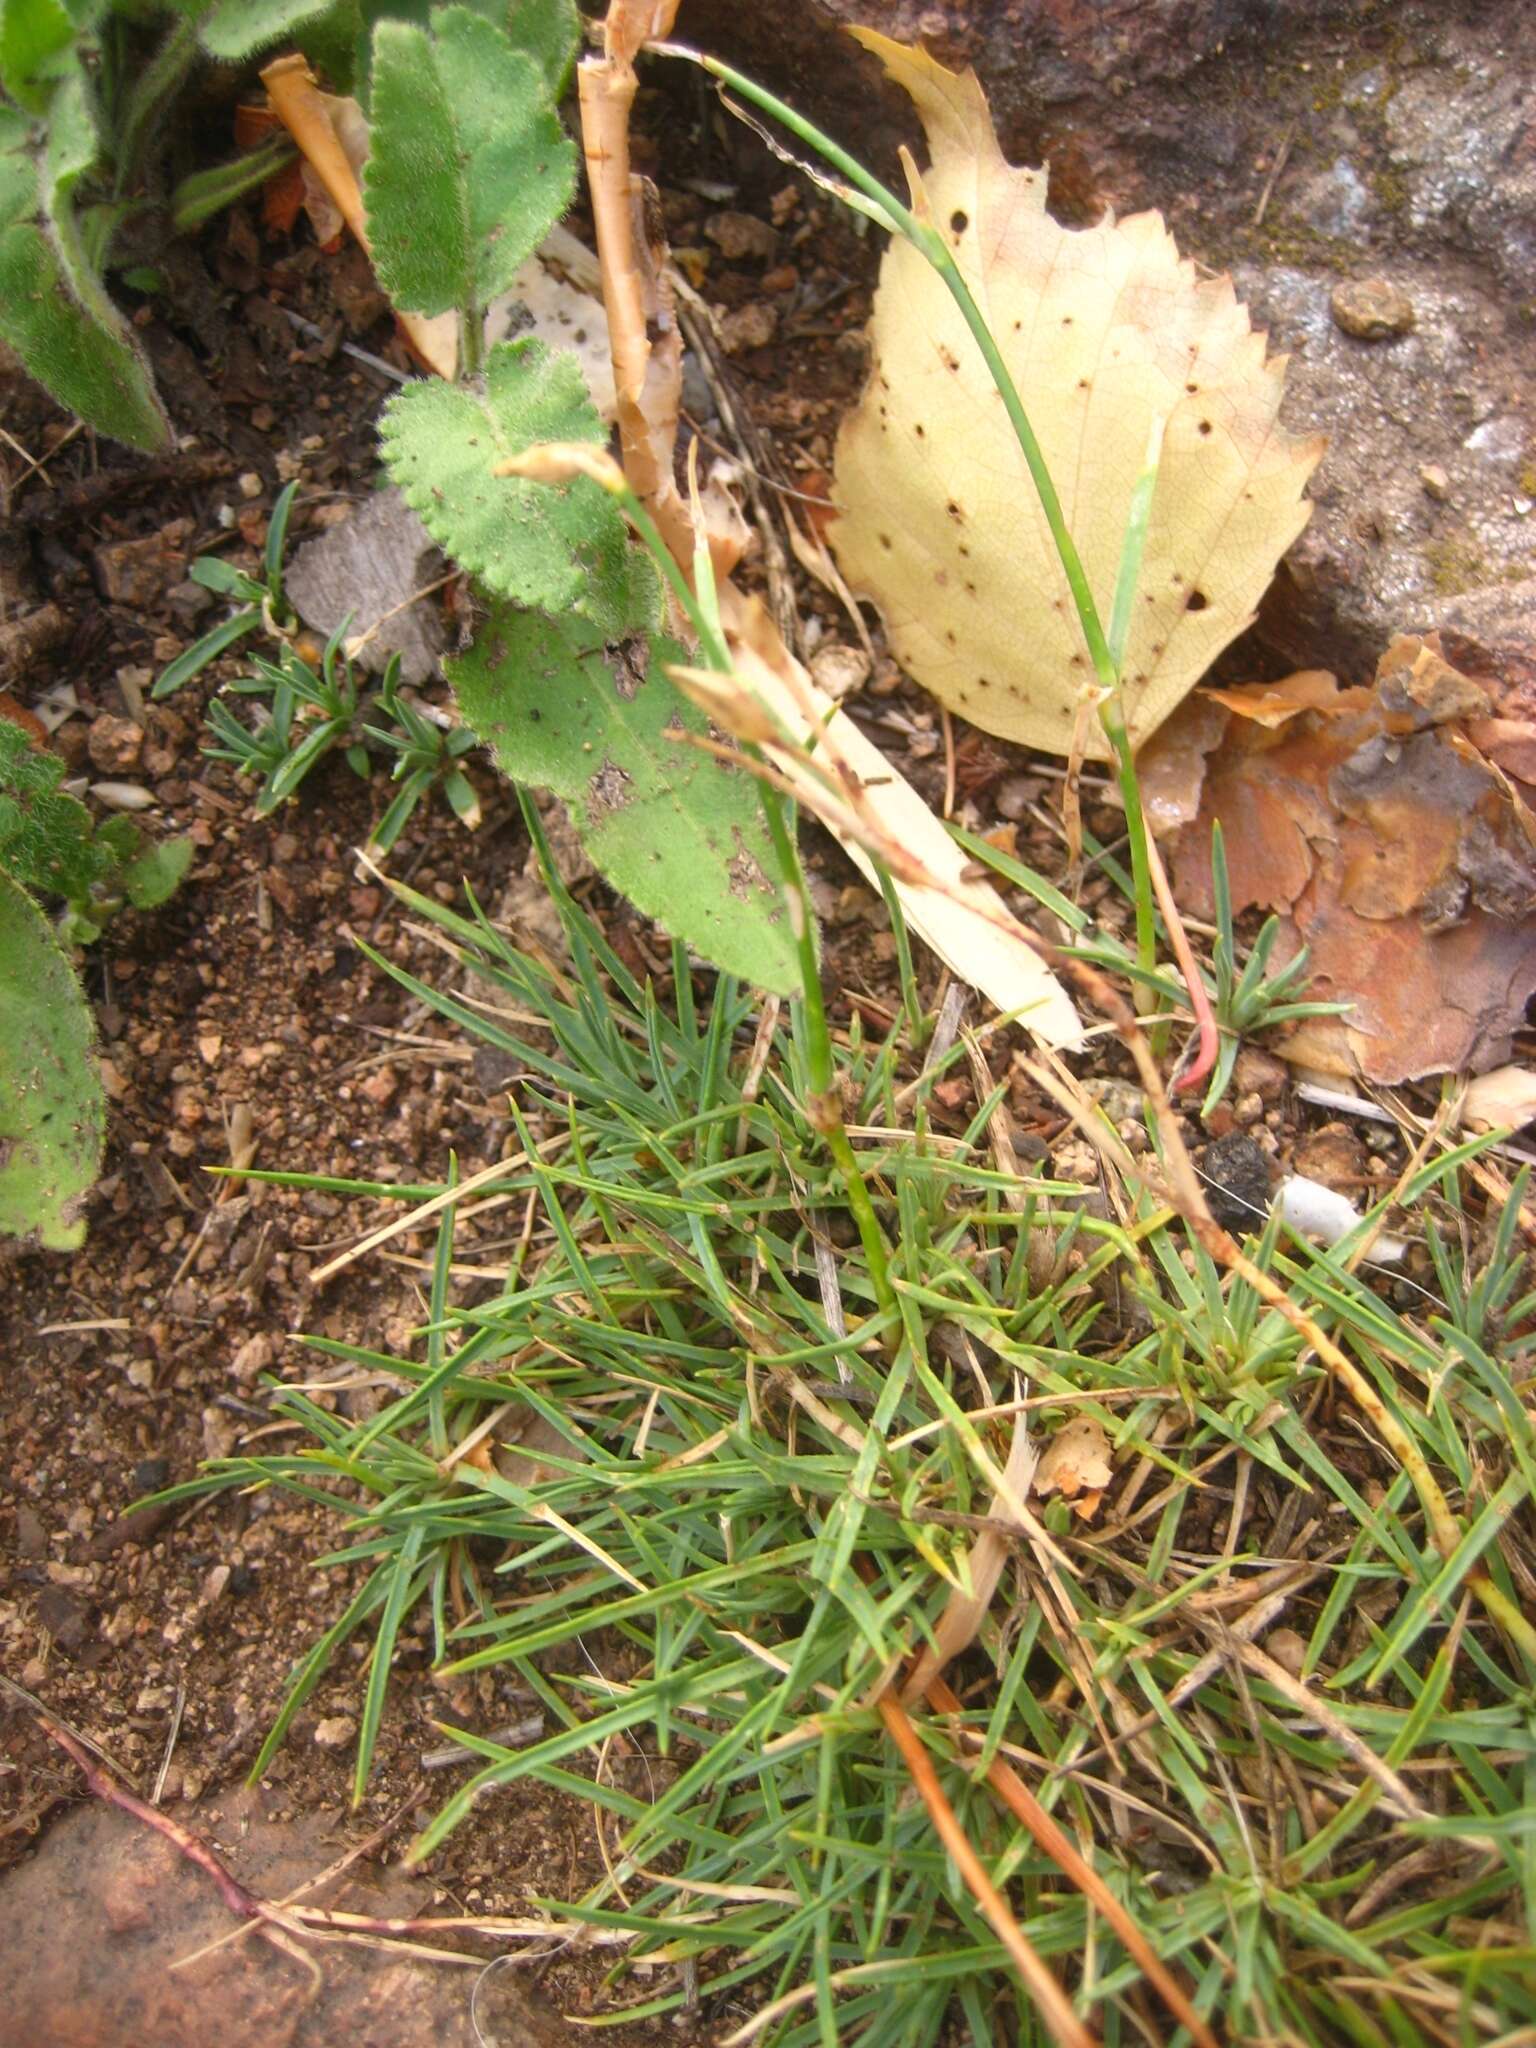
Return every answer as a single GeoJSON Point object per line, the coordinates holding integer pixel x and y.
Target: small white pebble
{"type": "Point", "coordinates": [1325, 1214]}
{"type": "Point", "coordinates": [250, 485]}
{"type": "Point", "coordinates": [122, 796]}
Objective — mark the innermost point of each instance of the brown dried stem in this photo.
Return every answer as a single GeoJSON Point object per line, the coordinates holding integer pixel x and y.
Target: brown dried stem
{"type": "Point", "coordinates": [1052, 1839]}
{"type": "Point", "coordinates": [1054, 2006]}
{"type": "Point", "coordinates": [646, 374]}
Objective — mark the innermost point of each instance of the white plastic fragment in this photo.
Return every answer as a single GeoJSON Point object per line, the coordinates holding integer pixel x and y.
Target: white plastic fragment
{"type": "Point", "coordinates": [1321, 1212]}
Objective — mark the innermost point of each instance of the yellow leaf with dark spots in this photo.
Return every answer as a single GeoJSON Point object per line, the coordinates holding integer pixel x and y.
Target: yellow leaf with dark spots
{"type": "Point", "coordinates": [1107, 331]}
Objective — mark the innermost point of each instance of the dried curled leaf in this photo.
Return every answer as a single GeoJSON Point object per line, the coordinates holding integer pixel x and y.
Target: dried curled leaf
{"type": "Point", "coordinates": [1076, 1464]}
{"type": "Point", "coordinates": [1106, 332]}
{"type": "Point", "coordinates": [1397, 854]}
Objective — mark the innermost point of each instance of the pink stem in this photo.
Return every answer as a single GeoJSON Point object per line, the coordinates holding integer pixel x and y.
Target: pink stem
{"type": "Point", "coordinates": [1184, 953]}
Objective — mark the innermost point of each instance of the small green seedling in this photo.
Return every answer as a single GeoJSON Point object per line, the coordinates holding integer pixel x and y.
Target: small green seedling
{"type": "Point", "coordinates": [260, 603]}
{"type": "Point", "coordinates": [52, 1110]}
{"type": "Point", "coordinates": [306, 713]}
{"type": "Point", "coordinates": [566, 680]}
{"type": "Point", "coordinates": [51, 1105]}
{"type": "Point", "coordinates": [1251, 1000]}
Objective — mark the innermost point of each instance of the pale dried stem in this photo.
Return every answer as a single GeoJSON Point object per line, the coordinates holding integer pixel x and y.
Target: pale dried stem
{"type": "Point", "coordinates": [606, 92]}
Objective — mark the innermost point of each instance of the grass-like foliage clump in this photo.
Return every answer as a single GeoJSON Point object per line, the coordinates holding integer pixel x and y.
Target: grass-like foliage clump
{"type": "Point", "coordinates": [660, 1410]}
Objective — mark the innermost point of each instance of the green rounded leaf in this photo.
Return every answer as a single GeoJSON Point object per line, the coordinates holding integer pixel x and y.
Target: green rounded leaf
{"type": "Point", "coordinates": [52, 1112]}
{"type": "Point", "coordinates": [469, 167]}
{"type": "Point", "coordinates": [555, 548]}
{"type": "Point", "coordinates": [35, 37]}
{"type": "Point", "coordinates": [679, 832]}
{"type": "Point", "coordinates": [235, 29]}
{"type": "Point", "coordinates": [157, 873]}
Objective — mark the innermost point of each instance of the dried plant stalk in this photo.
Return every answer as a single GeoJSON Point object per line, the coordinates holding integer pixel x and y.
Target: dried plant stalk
{"type": "Point", "coordinates": [647, 375]}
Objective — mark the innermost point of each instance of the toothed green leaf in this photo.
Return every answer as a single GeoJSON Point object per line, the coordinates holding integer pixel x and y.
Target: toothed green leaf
{"type": "Point", "coordinates": [550, 32]}
{"type": "Point", "coordinates": [234, 29]}
{"type": "Point", "coordinates": [52, 1115]}
{"type": "Point", "coordinates": [556, 549]}
{"type": "Point", "coordinates": [46, 838]}
{"type": "Point", "coordinates": [469, 168]}
{"type": "Point", "coordinates": [677, 831]}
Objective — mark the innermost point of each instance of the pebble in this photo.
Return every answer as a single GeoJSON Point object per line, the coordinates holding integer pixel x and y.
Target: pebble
{"type": "Point", "coordinates": [1372, 309]}
{"type": "Point", "coordinates": [1436, 483]}
{"type": "Point", "coordinates": [253, 1358]}
{"type": "Point", "coordinates": [739, 236]}
{"type": "Point", "coordinates": [1288, 1649]}
{"type": "Point", "coordinates": [1260, 1073]}
{"type": "Point", "coordinates": [114, 744]}
{"type": "Point", "coordinates": [1237, 1180]}
{"type": "Point", "coordinates": [335, 1731]}
{"type": "Point", "coordinates": [839, 669]}
{"type": "Point", "coordinates": [749, 327]}
{"type": "Point", "coordinates": [1015, 794]}
{"type": "Point", "coordinates": [136, 573]}
{"type": "Point", "coordinates": [250, 485]}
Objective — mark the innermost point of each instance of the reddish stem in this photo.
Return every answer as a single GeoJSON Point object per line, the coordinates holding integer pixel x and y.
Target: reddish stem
{"type": "Point", "coordinates": [1184, 953]}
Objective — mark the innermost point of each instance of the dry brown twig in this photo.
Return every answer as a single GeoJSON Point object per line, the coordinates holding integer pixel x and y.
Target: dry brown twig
{"type": "Point", "coordinates": [1052, 2002]}
{"type": "Point", "coordinates": [288, 1924]}
{"type": "Point", "coordinates": [646, 375]}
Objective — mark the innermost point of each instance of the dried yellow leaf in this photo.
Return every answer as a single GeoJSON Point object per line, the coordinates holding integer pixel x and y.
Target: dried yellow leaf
{"type": "Point", "coordinates": [1107, 332]}
{"type": "Point", "coordinates": [1076, 1463]}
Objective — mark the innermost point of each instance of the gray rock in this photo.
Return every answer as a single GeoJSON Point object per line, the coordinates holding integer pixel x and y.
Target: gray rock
{"type": "Point", "coordinates": [1381, 554]}
{"type": "Point", "coordinates": [1461, 146]}
{"type": "Point", "coordinates": [377, 560]}
{"type": "Point", "coordinates": [1337, 202]}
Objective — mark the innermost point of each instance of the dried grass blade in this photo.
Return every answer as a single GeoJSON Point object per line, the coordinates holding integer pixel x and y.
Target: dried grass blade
{"type": "Point", "coordinates": [1052, 1839]}
{"type": "Point", "coordinates": [1055, 2009]}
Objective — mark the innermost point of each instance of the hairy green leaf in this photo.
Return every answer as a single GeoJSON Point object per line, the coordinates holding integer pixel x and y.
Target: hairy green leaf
{"type": "Point", "coordinates": [550, 32]}
{"type": "Point", "coordinates": [233, 29]}
{"type": "Point", "coordinates": [469, 168]}
{"type": "Point", "coordinates": [157, 873]}
{"type": "Point", "coordinates": [555, 549]}
{"type": "Point", "coordinates": [52, 1115]}
{"type": "Point", "coordinates": [35, 36]}
{"type": "Point", "coordinates": [679, 832]}
{"type": "Point", "coordinates": [54, 310]}
{"type": "Point", "coordinates": [47, 841]}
